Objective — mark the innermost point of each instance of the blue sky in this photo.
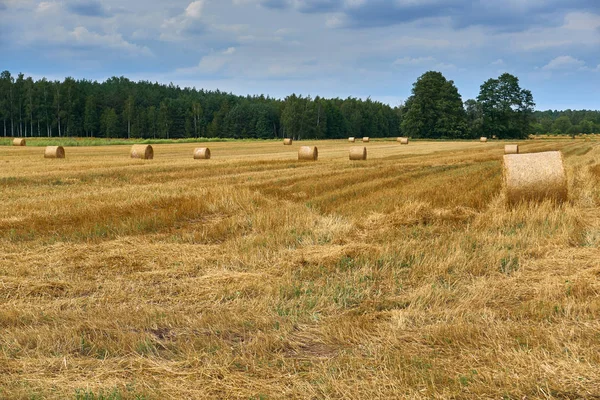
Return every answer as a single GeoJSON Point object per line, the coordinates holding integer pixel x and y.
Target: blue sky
{"type": "Point", "coordinates": [331, 48]}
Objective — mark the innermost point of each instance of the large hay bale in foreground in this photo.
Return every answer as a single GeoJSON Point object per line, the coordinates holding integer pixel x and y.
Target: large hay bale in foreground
{"type": "Point", "coordinates": [19, 142]}
{"type": "Point", "coordinates": [483, 140]}
{"type": "Point", "coordinates": [202, 153]}
{"type": "Point", "coordinates": [366, 139]}
{"type": "Point", "coordinates": [142, 151]}
{"type": "Point", "coordinates": [511, 149]}
{"type": "Point", "coordinates": [54, 152]}
{"type": "Point", "coordinates": [287, 142]}
{"type": "Point", "coordinates": [358, 153]}
{"type": "Point", "coordinates": [351, 139]}
{"type": "Point", "coordinates": [402, 140]}
{"type": "Point", "coordinates": [535, 177]}
{"type": "Point", "coordinates": [308, 153]}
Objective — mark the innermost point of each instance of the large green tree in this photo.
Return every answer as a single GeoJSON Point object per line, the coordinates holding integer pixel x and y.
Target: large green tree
{"type": "Point", "coordinates": [507, 109]}
{"type": "Point", "coordinates": [435, 109]}
{"type": "Point", "coordinates": [562, 125]}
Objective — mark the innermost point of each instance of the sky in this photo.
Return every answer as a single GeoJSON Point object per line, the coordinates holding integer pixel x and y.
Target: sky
{"type": "Point", "coordinates": [329, 48]}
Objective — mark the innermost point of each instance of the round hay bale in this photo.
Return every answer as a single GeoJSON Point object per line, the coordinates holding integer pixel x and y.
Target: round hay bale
{"type": "Point", "coordinates": [142, 151]}
{"type": "Point", "coordinates": [366, 139]}
{"type": "Point", "coordinates": [358, 153]}
{"type": "Point", "coordinates": [19, 142]}
{"type": "Point", "coordinates": [54, 152]}
{"type": "Point", "coordinates": [309, 153]}
{"type": "Point", "coordinates": [202, 153]}
{"type": "Point", "coordinates": [535, 177]}
{"type": "Point", "coordinates": [483, 140]}
{"type": "Point", "coordinates": [351, 139]}
{"type": "Point", "coordinates": [403, 140]}
{"type": "Point", "coordinates": [287, 142]}
{"type": "Point", "coordinates": [511, 149]}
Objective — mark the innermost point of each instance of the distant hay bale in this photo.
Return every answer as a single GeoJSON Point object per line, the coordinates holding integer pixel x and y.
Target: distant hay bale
{"type": "Point", "coordinates": [287, 142]}
{"type": "Point", "coordinates": [201, 153]}
{"type": "Point", "coordinates": [358, 153]}
{"type": "Point", "coordinates": [511, 149]}
{"type": "Point", "coordinates": [483, 140]}
{"type": "Point", "coordinates": [403, 140]}
{"type": "Point", "coordinates": [351, 139]}
{"type": "Point", "coordinates": [142, 151]}
{"type": "Point", "coordinates": [366, 139]}
{"type": "Point", "coordinates": [310, 153]}
{"type": "Point", "coordinates": [535, 177]}
{"type": "Point", "coordinates": [54, 152]}
{"type": "Point", "coordinates": [19, 142]}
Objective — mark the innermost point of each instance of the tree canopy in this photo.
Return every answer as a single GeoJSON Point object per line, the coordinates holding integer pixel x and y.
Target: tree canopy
{"type": "Point", "coordinates": [507, 109]}
{"type": "Point", "coordinates": [435, 109]}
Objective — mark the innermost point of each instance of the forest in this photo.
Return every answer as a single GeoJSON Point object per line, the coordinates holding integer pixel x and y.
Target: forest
{"type": "Point", "coordinates": [121, 108]}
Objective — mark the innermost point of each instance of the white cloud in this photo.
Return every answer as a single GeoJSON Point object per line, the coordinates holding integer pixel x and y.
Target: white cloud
{"type": "Point", "coordinates": [178, 28]}
{"type": "Point", "coordinates": [564, 63]}
{"type": "Point", "coordinates": [582, 21]}
{"type": "Point", "coordinates": [335, 21]}
{"type": "Point", "coordinates": [424, 62]}
{"type": "Point", "coordinates": [414, 61]}
{"type": "Point", "coordinates": [194, 9]}
{"type": "Point", "coordinates": [498, 62]}
{"type": "Point", "coordinates": [82, 38]}
{"type": "Point", "coordinates": [47, 6]}
{"type": "Point", "coordinates": [211, 63]}
{"type": "Point", "coordinates": [578, 29]}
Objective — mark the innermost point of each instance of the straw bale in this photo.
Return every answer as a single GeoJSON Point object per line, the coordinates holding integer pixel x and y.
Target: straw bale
{"type": "Point", "coordinates": [402, 140]}
{"type": "Point", "coordinates": [287, 142]}
{"type": "Point", "coordinates": [366, 139]}
{"type": "Point", "coordinates": [535, 177]}
{"type": "Point", "coordinates": [511, 149]}
{"type": "Point", "coordinates": [19, 142]}
{"type": "Point", "coordinates": [201, 153]}
{"type": "Point", "coordinates": [54, 152]}
{"type": "Point", "coordinates": [142, 151]}
{"type": "Point", "coordinates": [310, 153]}
{"type": "Point", "coordinates": [351, 139]}
{"type": "Point", "coordinates": [358, 153]}
{"type": "Point", "coordinates": [483, 139]}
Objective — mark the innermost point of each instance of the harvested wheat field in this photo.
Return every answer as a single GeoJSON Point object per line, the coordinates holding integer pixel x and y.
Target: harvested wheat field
{"type": "Point", "coordinates": [258, 276]}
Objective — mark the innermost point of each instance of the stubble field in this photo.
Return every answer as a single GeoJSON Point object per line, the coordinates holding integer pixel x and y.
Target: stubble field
{"type": "Point", "coordinates": [255, 276]}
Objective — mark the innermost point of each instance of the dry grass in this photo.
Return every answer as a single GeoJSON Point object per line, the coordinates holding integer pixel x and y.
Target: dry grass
{"type": "Point", "coordinates": [256, 276]}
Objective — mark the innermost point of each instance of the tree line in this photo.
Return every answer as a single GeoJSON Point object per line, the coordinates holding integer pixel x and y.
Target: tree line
{"type": "Point", "coordinates": [568, 122]}
{"type": "Point", "coordinates": [121, 108]}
